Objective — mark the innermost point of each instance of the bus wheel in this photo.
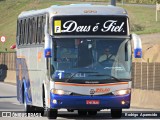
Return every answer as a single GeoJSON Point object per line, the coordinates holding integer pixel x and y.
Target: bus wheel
{"type": "Point", "coordinates": [70, 110]}
{"type": "Point", "coordinates": [28, 108]}
{"type": "Point", "coordinates": [82, 112]}
{"type": "Point", "coordinates": [92, 112]}
{"type": "Point", "coordinates": [43, 109]}
{"type": "Point", "coordinates": [52, 113]}
{"type": "Point", "coordinates": [116, 113]}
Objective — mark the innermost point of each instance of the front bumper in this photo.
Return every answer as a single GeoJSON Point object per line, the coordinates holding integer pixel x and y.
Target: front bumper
{"type": "Point", "coordinates": [79, 102]}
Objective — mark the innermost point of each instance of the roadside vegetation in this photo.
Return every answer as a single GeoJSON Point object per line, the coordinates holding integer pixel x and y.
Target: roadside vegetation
{"type": "Point", "coordinates": [142, 19]}
{"type": "Point", "coordinates": [140, 1]}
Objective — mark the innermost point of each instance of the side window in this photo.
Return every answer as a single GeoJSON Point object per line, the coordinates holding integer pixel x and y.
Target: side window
{"type": "Point", "coordinates": [37, 34]}
{"type": "Point", "coordinates": [20, 32]}
{"type": "Point", "coordinates": [33, 31]}
{"type": "Point", "coordinates": [24, 42]}
{"type": "Point", "coordinates": [29, 31]}
{"type": "Point", "coordinates": [39, 30]}
{"type": "Point", "coordinates": [41, 22]}
{"type": "Point", "coordinates": [17, 32]}
{"type": "Point", "coordinates": [43, 26]}
{"type": "Point", "coordinates": [23, 30]}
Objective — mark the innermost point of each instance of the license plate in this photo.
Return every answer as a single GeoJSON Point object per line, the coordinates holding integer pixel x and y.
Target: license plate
{"type": "Point", "coordinates": [92, 102]}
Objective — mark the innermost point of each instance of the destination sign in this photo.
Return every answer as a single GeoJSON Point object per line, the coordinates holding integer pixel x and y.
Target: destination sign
{"type": "Point", "coordinates": [90, 25]}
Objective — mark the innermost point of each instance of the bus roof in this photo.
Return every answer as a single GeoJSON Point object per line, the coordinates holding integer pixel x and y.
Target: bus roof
{"type": "Point", "coordinates": [77, 9]}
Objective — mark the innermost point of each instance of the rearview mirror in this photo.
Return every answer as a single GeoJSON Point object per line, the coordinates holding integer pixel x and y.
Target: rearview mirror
{"type": "Point", "coordinates": [48, 46]}
{"type": "Point", "coordinates": [137, 46]}
{"type": "Point", "coordinates": [13, 46]}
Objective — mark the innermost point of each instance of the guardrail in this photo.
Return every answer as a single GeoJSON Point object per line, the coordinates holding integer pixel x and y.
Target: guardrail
{"type": "Point", "coordinates": [146, 76]}
{"type": "Point", "coordinates": [7, 60]}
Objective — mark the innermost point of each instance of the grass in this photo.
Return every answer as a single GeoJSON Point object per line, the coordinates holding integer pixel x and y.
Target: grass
{"type": "Point", "coordinates": [142, 19]}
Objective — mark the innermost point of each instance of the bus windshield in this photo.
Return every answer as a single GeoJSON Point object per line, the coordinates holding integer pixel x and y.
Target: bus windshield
{"type": "Point", "coordinates": [94, 59]}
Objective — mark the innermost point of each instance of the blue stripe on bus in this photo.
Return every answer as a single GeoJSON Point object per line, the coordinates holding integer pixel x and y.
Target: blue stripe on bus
{"type": "Point", "coordinates": [79, 102]}
{"type": "Point", "coordinates": [23, 81]}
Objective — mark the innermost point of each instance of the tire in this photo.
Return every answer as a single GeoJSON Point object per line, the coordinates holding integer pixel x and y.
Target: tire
{"type": "Point", "coordinates": [52, 113]}
{"type": "Point", "coordinates": [92, 112]}
{"type": "Point", "coordinates": [28, 108]}
{"type": "Point", "coordinates": [43, 109]}
{"type": "Point", "coordinates": [70, 110]}
{"type": "Point", "coordinates": [39, 110]}
{"type": "Point", "coordinates": [82, 112]}
{"type": "Point", "coordinates": [116, 113]}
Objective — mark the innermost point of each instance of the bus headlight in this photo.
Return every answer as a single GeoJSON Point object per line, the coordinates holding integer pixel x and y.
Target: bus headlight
{"type": "Point", "coordinates": [60, 92]}
{"type": "Point", "coordinates": [122, 92]}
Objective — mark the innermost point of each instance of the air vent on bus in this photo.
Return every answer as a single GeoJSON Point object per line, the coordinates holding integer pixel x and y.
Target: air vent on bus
{"type": "Point", "coordinates": [55, 5]}
{"type": "Point", "coordinates": [81, 4]}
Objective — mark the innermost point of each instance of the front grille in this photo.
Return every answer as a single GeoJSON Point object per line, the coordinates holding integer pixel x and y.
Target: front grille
{"type": "Point", "coordinates": [76, 94]}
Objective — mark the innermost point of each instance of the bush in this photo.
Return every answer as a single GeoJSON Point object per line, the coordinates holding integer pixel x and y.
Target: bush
{"type": "Point", "coordinates": [141, 1]}
{"type": "Point", "coordinates": [137, 27]}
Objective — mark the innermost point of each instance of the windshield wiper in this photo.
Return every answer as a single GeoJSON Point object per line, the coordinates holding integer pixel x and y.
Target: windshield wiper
{"type": "Point", "coordinates": [116, 79]}
{"type": "Point", "coordinates": [67, 80]}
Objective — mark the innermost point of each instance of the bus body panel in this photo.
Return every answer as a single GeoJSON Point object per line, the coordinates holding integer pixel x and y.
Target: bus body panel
{"type": "Point", "coordinates": [82, 93]}
{"type": "Point", "coordinates": [23, 81]}
{"type": "Point", "coordinates": [30, 75]}
{"type": "Point", "coordinates": [99, 89]}
{"type": "Point", "coordinates": [80, 102]}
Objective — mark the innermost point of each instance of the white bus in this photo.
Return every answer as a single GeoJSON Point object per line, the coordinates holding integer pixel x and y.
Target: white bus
{"type": "Point", "coordinates": [75, 57]}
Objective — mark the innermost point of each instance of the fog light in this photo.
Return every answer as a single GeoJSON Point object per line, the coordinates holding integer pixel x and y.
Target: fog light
{"type": "Point", "coordinates": [123, 102]}
{"type": "Point", "coordinates": [54, 101]}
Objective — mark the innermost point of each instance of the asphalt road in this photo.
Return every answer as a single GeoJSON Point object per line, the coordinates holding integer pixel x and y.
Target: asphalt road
{"type": "Point", "coordinates": [8, 102]}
